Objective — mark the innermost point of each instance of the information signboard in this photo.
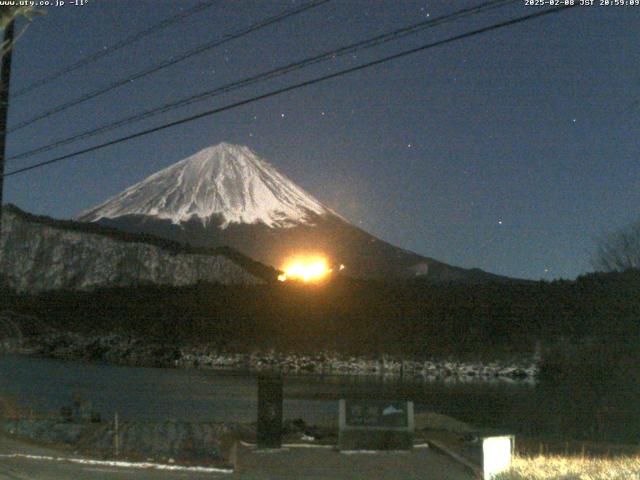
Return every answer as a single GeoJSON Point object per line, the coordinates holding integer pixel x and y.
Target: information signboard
{"type": "Point", "coordinates": [376, 425]}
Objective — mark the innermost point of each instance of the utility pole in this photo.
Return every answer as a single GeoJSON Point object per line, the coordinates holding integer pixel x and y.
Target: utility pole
{"type": "Point", "coordinates": [5, 78]}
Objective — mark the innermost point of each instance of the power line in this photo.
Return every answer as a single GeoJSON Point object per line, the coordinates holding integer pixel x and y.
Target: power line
{"type": "Point", "coordinates": [115, 47]}
{"type": "Point", "coordinates": [296, 86]}
{"type": "Point", "coordinates": [276, 72]}
{"type": "Point", "coordinates": [172, 61]}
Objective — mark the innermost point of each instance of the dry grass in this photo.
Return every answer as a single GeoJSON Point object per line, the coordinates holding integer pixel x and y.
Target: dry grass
{"type": "Point", "coordinates": [573, 468]}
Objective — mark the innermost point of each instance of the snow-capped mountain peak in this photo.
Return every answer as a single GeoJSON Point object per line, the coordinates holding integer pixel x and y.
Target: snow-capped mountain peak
{"type": "Point", "coordinates": [227, 181]}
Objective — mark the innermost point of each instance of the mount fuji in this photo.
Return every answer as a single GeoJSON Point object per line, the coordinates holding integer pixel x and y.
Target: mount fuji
{"type": "Point", "coordinates": [226, 195]}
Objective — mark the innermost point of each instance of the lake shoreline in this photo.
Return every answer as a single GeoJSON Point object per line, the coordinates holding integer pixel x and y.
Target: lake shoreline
{"type": "Point", "coordinates": [130, 351]}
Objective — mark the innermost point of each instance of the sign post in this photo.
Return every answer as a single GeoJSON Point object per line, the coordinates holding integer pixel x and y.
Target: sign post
{"type": "Point", "coordinates": [270, 396]}
{"type": "Point", "coordinates": [496, 454]}
{"type": "Point", "coordinates": [376, 425]}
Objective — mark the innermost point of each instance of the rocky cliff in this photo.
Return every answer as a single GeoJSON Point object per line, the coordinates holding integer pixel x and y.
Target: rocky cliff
{"type": "Point", "coordinates": [40, 253]}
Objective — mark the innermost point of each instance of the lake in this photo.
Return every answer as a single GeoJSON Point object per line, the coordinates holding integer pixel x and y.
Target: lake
{"type": "Point", "coordinates": [588, 410]}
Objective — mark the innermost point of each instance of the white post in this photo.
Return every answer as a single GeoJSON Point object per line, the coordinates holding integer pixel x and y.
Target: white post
{"type": "Point", "coordinates": [116, 441]}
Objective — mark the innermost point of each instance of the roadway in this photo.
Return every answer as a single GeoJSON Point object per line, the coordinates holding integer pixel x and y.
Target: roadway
{"type": "Point", "coordinates": [22, 461]}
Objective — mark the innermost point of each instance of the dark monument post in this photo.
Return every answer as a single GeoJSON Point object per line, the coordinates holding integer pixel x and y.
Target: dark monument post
{"type": "Point", "coordinates": [270, 411]}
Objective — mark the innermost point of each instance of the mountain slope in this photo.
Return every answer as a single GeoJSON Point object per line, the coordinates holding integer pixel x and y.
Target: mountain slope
{"type": "Point", "coordinates": [227, 181]}
{"type": "Point", "coordinates": [40, 253]}
{"type": "Point", "coordinates": [227, 195]}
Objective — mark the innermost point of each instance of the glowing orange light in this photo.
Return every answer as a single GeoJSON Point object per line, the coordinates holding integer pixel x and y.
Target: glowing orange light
{"type": "Point", "coordinates": [307, 269]}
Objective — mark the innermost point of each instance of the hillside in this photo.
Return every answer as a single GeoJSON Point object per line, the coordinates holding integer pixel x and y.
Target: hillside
{"type": "Point", "coordinates": [411, 319]}
{"type": "Point", "coordinates": [40, 253]}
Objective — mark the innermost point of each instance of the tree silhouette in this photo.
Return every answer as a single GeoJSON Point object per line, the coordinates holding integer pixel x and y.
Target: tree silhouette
{"type": "Point", "coordinates": [620, 250]}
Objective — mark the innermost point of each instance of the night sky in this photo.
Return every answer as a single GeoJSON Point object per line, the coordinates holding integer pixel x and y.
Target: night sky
{"type": "Point", "coordinates": [511, 151]}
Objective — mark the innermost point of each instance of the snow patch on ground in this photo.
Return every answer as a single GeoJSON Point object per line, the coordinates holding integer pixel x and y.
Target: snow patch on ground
{"type": "Point", "coordinates": [522, 370]}
{"type": "Point", "coordinates": [119, 464]}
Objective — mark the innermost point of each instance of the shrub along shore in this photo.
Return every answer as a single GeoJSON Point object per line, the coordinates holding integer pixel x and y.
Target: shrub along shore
{"type": "Point", "coordinates": [561, 329]}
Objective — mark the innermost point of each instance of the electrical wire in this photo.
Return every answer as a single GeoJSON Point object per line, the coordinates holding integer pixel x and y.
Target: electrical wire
{"type": "Point", "coordinates": [273, 73]}
{"type": "Point", "coordinates": [296, 86]}
{"type": "Point", "coordinates": [167, 63]}
{"type": "Point", "coordinates": [130, 40]}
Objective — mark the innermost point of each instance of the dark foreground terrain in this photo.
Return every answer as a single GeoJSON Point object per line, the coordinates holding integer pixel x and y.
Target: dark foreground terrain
{"type": "Point", "coordinates": [410, 319]}
{"type": "Point", "coordinates": [585, 332]}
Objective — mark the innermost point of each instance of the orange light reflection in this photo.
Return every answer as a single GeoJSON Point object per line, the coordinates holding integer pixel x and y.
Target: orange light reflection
{"type": "Point", "coordinates": [305, 268]}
